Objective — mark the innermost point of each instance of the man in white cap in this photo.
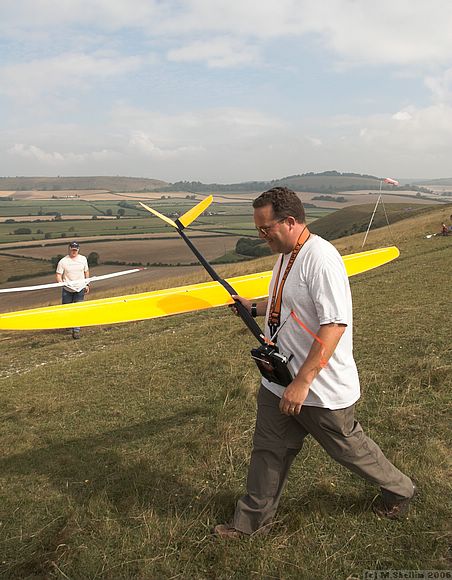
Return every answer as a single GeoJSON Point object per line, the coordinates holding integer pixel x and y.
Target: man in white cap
{"type": "Point", "coordinates": [73, 269]}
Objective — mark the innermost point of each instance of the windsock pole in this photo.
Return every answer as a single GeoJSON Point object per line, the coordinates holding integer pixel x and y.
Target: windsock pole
{"type": "Point", "coordinates": [372, 218]}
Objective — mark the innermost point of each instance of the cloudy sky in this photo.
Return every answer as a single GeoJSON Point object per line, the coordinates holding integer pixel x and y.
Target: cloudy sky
{"type": "Point", "coordinates": [225, 90]}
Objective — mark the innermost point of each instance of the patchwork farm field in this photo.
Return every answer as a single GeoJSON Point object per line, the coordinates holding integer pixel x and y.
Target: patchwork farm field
{"type": "Point", "coordinates": [78, 219]}
{"type": "Point", "coordinates": [68, 196]}
{"type": "Point", "coordinates": [155, 251]}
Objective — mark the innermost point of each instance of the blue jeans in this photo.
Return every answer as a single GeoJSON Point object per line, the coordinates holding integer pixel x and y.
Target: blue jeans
{"type": "Point", "coordinates": [71, 297]}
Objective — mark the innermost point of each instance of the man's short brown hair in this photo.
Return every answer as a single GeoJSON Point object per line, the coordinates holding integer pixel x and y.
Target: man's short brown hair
{"type": "Point", "coordinates": [284, 202]}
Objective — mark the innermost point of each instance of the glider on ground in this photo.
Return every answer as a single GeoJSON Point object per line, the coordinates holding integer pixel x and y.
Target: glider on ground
{"type": "Point", "coordinates": [177, 300]}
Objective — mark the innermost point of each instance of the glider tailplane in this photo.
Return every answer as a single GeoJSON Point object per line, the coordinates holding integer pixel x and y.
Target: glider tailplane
{"type": "Point", "coordinates": [190, 216]}
{"type": "Point", "coordinates": [159, 215]}
{"type": "Point", "coordinates": [186, 219]}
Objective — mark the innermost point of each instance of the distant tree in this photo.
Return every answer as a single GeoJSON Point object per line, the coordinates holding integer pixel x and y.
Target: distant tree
{"type": "Point", "coordinates": [93, 259]}
{"type": "Point", "coordinates": [55, 259]}
{"type": "Point", "coordinates": [252, 247]}
{"type": "Point", "coordinates": [109, 211]}
{"type": "Point", "coordinates": [121, 211]}
{"type": "Point", "coordinates": [22, 231]}
{"type": "Point", "coordinates": [94, 217]}
{"type": "Point", "coordinates": [10, 221]}
{"type": "Point", "coordinates": [39, 232]}
{"type": "Point", "coordinates": [48, 235]}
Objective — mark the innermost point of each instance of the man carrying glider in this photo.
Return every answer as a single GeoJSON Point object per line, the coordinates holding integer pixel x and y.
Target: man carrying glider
{"type": "Point", "coordinates": [309, 296]}
{"type": "Point", "coordinates": [72, 267]}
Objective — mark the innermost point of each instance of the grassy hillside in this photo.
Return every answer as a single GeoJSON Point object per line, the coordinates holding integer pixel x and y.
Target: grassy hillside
{"type": "Point", "coordinates": [442, 181]}
{"type": "Point", "coordinates": [117, 183]}
{"type": "Point", "coordinates": [355, 219]}
{"type": "Point", "coordinates": [121, 450]}
{"type": "Point", "coordinates": [326, 182]}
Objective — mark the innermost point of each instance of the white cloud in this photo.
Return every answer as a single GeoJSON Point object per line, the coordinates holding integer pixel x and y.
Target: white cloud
{"type": "Point", "coordinates": [217, 53]}
{"type": "Point", "coordinates": [441, 86]}
{"type": "Point", "coordinates": [33, 152]}
{"type": "Point", "coordinates": [56, 158]}
{"type": "Point", "coordinates": [364, 32]}
{"type": "Point", "coordinates": [105, 14]}
{"type": "Point", "coordinates": [30, 80]}
{"type": "Point", "coordinates": [219, 128]}
{"type": "Point", "coordinates": [315, 141]}
{"type": "Point", "coordinates": [418, 144]}
{"type": "Point", "coordinates": [402, 116]}
{"type": "Point", "coordinates": [376, 33]}
{"type": "Point", "coordinates": [195, 128]}
{"type": "Point", "coordinates": [142, 143]}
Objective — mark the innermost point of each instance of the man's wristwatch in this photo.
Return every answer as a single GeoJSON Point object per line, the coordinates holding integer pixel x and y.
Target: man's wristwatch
{"type": "Point", "coordinates": [254, 309]}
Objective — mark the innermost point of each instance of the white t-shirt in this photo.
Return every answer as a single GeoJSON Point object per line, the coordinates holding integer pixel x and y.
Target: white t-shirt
{"type": "Point", "coordinates": [318, 292]}
{"type": "Point", "coordinates": [73, 269]}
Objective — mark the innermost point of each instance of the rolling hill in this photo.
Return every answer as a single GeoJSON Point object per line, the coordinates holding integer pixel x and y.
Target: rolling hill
{"type": "Point", "coordinates": [355, 219]}
{"type": "Point", "coordinates": [110, 183]}
{"type": "Point", "coordinates": [325, 182]}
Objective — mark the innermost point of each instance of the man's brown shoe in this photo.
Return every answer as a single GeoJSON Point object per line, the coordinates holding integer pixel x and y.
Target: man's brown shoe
{"type": "Point", "coordinates": [395, 509]}
{"type": "Point", "coordinates": [226, 532]}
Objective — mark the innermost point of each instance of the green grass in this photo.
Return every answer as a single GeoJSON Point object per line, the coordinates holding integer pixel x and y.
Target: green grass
{"type": "Point", "coordinates": [356, 218]}
{"type": "Point", "coordinates": [120, 451]}
{"type": "Point", "coordinates": [22, 268]}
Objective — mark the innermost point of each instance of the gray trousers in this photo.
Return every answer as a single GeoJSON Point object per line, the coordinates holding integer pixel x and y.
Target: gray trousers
{"type": "Point", "coordinates": [278, 438]}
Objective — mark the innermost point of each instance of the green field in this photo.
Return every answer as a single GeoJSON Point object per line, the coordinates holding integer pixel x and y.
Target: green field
{"type": "Point", "coordinates": [119, 453]}
{"type": "Point", "coordinates": [22, 267]}
{"type": "Point", "coordinates": [233, 218]}
{"type": "Point", "coordinates": [81, 228]}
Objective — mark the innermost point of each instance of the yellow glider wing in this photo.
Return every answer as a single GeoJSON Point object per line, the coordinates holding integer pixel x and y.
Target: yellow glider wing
{"type": "Point", "coordinates": [166, 302]}
{"type": "Point", "coordinates": [364, 261]}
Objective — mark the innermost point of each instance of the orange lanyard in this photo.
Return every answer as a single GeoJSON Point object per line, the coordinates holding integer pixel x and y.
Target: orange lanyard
{"type": "Point", "coordinates": [274, 316]}
{"type": "Point", "coordinates": [323, 361]}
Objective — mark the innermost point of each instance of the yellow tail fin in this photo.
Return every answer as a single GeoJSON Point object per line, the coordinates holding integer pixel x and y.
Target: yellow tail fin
{"type": "Point", "coordinates": [195, 212]}
{"type": "Point", "coordinates": [188, 217]}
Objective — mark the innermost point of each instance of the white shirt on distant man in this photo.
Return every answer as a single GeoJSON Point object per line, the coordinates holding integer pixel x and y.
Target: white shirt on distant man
{"type": "Point", "coordinates": [73, 269]}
